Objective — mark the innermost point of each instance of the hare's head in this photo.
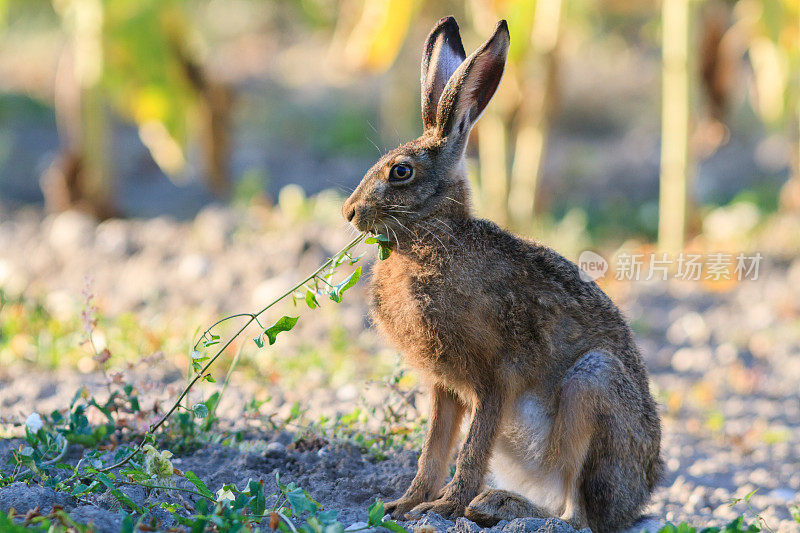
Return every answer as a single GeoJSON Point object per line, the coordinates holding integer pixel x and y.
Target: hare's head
{"type": "Point", "coordinates": [425, 179]}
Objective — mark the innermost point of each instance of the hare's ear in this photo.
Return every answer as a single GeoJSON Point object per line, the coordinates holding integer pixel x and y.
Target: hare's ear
{"type": "Point", "coordinates": [442, 55]}
{"type": "Point", "coordinates": [472, 85]}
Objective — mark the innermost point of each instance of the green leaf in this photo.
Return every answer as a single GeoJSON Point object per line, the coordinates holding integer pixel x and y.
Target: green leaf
{"type": "Point", "coordinates": [127, 525]}
{"type": "Point", "coordinates": [391, 525]}
{"type": "Point", "coordinates": [314, 525]}
{"type": "Point", "coordinates": [328, 517]}
{"type": "Point", "coordinates": [375, 513]}
{"type": "Point", "coordinates": [259, 340]}
{"type": "Point", "coordinates": [9, 526]}
{"type": "Point", "coordinates": [211, 341]}
{"type": "Point", "coordinates": [311, 299]}
{"type": "Point", "coordinates": [350, 281]}
{"type": "Point", "coordinates": [212, 402]}
{"type": "Point", "coordinates": [200, 410]}
{"type": "Point", "coordinates": [384, 245]}
{"type": "Point", "coordinates": [201, 487]}
{"type": "Point", "coordinates": [118, 494]}
{"type": "Point", "coordinates": [259, 503]}
{"type": "Point", "coordinates": [377, 239]}
{"type": "Point", "coordinates": [137, 475]}
{"type": "Point", "coordinates": [300, 502]}
{"type": "Point", "coordinates": [79, 489]}
{"type": "Point", "coordinates": [285, 323]}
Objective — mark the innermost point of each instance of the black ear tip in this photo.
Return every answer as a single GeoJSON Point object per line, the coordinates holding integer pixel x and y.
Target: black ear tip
{"type": "Point", "coordinates": [501, 33]}
{"type": "Point", "coordinates": [447, 29]}
{"type": "Point", "coordinates": [448, 25]}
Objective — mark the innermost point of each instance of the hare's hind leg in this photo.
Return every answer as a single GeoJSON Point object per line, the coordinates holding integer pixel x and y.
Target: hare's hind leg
{"type": "Point", "coordinates": [545, 474]}
{"type": "Point", "coordinates": [602, 444]}
{"type": "Point", "coordinates": [493, 505]}
{"type": "Point", "coordinates": [584, 398]}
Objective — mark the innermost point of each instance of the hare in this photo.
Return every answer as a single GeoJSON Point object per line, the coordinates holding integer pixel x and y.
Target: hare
{"type": "Point", "coordinates": [502, 328]}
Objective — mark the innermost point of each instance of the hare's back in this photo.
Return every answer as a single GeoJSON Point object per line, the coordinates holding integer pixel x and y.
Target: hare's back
{"type": "Point", "coordinates": [528, 264]}
{"type": "Point", "coordinates": [547, 288]}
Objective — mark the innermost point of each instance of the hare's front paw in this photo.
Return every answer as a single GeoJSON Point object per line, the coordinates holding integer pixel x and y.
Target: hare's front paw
{"type": "Point", "coordinates": [401, 506]}
{"type": "Point", "coordinates": [446, 507]}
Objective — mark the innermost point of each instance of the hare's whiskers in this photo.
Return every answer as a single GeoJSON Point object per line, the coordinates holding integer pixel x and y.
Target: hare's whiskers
{"type": "Point", "coordinates": [439, 222]}
{"type": "Point", "coordinates": [398, 208]}
{"type": "Point", "coordinates": [350, 229]}
{"type": "Point", "coordinates": [428, 229]}
{"type": "Point", "coordinates": [402, 226]}
{"type": "Point", "coordinates": [391, 231]}
{"type": "Point", "coordinates": [396, 238]}
{"type": "Point", "coordinates": [373, 144]}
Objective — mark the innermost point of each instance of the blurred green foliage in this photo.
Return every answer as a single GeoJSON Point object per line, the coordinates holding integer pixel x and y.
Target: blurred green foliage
{"type": "Point", "coordinates": [144, 72]}
{"type": "Point", "coordinates": [159, 66]}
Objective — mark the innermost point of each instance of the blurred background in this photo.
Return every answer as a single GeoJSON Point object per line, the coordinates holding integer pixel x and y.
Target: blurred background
{"type": "Point", "coordinates": [126, 108]}
{"type": "Point", "coordinates": [165, 162]}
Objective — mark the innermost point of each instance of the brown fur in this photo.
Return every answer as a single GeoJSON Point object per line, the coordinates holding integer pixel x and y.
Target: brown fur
{"type": "Point", "coordinates": [505, 328]}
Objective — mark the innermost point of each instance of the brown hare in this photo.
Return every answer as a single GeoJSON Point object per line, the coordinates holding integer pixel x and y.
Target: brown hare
{"type": "Point", "coordinates": [502, 328]}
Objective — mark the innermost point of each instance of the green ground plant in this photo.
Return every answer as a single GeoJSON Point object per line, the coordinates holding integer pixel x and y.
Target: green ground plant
{"type": "Point", "coordinates": [112, 459]}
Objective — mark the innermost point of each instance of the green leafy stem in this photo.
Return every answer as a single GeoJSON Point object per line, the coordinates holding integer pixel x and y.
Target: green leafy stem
{"type": "Point", "coordinates": [310, 287]}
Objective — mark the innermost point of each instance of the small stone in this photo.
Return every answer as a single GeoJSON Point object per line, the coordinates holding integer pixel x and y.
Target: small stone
{"type": "Point", "coordinates": [101, 519]}
{"type": "Point", "coordinates": [432, 523]}
{"type": "Point", "coordinates": [71, 231]}
{"type": "Point", "coordinates": [692, 359]}
{"type": "Point", "coordinates": [275, 449]}
{"type": "Point", "coordinates": [554, 525]}
{"type": "Point", "coordinates": [194, 267]}
{"type": "Point", "coordinates": [23, 497]}
{"type": "Point", "coordinates": [347, 392]}
{"type": "Point", "coordinates": [464, 525]}
{"type": "Point", "coordinates": [285, 438]}
{"type": "Point", "coordinates": [525, 525]}
{"type": "Point", "coordinates": [13, 279]}
{"type": "Point", "coordinates": [135, 493]}
{"type": "Point", "coordinates": [690, 328]}
{"type": "Point", "coordinates": [356, 525]}
{"type": "Point", "coordinates": [784, 495]}
{"type": "Point", "coordinates": [673, 464]}
{"type": "Point", "coordinates": [112, 237]}
{"type": "Point", "coordinates": [214, 227]}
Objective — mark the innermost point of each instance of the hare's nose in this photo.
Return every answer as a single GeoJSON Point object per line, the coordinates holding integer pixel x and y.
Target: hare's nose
{"type": "Point", "coordinates": [350, 214]}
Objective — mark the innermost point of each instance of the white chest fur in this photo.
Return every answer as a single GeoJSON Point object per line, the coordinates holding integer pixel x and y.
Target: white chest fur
{"type": "Point", "coordinates": [518, 462]}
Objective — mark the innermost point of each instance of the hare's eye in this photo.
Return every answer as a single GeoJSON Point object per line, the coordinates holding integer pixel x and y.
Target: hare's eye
{"type": "Point", "coordinates": [400, 172]}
